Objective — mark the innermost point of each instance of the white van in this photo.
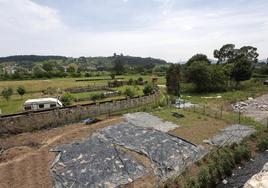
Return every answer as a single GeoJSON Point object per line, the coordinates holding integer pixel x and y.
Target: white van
{"type": "Point", "coordinates": [42, 104]}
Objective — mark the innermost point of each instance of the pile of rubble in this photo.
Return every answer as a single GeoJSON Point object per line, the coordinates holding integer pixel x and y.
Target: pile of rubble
{"type": "Point", "coordinates": [257, 104]}
{"type": "Point", "coordinates": [259, 180]}
{"type": "Point", "coordinates": [256, 108]}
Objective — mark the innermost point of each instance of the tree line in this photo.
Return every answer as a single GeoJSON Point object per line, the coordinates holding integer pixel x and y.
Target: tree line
{"type": "Point", "coordinates": [233, 66]}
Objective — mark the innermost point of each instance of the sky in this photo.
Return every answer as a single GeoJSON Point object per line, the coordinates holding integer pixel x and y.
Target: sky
{"type": "Point", "coordinates": [173, 30]}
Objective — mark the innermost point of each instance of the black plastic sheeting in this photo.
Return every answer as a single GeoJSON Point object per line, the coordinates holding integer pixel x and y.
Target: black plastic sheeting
{"type": "Point", "coordinates": [167, 153]}
{"type": "Point", "coordinates": [232, 134]}
{"type": "Point", "coordinates": [100, 160]}
{"type": "Point", "coordinates": [94, 163]}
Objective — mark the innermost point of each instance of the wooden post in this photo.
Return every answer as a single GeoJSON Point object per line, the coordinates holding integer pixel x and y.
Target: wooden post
{"type": "Point", "coordinates": [221, 112]}
{"type": "Point", "coordinates": [239, 114]}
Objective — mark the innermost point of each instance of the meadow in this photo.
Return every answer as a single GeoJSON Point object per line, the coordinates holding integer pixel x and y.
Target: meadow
{"type": "Point", "coordinates": [34, 89]}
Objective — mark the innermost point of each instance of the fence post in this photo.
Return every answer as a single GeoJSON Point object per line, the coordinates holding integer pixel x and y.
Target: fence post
{"type": "Point", "coordinates": [221, 112]}
{"type": "Point", "coordinates": [239, 114]}
{"type": "Point", "coordinates": [194, 107]}
{"type": "Point", "coordinates": [204, 109]}
{"type": "Point", "coordinates": [267, 124]}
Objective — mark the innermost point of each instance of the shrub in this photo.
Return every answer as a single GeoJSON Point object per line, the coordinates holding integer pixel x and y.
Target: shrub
{"type": "Point", "coordinates": [148, 89]}
{"type": "Point", "coordinates": [129, 92]}
{"type": "Point", "coordinates": [262, 143]}
{"type": "Point", "coordinates": [191, 183]}
{"type": "Point", "coordinates": [21, 90]}
{"type": "Point", "coordinates": [67, 99]}
{"type": "Point", "coordinates": [7, 92]}
{"type": "Point", "coordinates": [204, 178]}
{"type": "Point", "coordinates": [97, 96]}
{"type": "Point", "coordinates": [130, 81]}
{"type": "Point", "coordinates": [241, 153]}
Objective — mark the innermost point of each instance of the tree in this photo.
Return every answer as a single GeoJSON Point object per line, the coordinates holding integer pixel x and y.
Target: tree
{"type": "Point", "coordinates": [199, 73]}
{"type": "Point", "coordinates": [21, 90]}
{"type": "Point", "coordinates": [118, 67]}
{"type": "Point", "coordinates": [39, 72]}
{"type": "Point", "coordinates": [7, 92]}
{"type": "Point", "coordinates": [198, 57]}
{"type": "Point", "coordinates": [148, 89]}
{"type": "Point", "coordinates": [225, 53]}
{"type": "Point", "coordinates": [207, 77]}
{"type": "Point", "coordinates": [242, 69]}
{"type": "Point", "coordinates": [48, 65]}
{"type": "Point", "coordinates": [71, 68]}
{"type": "Point", "coordinates": [173, 77]}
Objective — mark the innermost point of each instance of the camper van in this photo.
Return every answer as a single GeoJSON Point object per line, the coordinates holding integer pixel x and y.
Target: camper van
{"type": "Point", "coordinates": [42, 104]}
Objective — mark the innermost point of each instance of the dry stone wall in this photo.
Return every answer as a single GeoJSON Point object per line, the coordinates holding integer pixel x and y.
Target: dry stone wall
{"type": "Point", "coordinates": [24, 122]}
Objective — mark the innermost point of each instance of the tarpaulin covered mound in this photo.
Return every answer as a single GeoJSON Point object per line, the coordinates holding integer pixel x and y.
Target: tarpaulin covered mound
{"type": "Point", "coordinates": [94, 163]}
{"type": "Point", "coordinates": [233, 134]}
{"type": "Point", "coordinates": [143, 119]}
{"type": "Point", "coordinates": [168, 153]}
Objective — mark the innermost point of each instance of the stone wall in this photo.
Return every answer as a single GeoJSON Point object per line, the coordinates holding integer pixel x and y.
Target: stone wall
{"type": "Point", "coordinates": [28, 121]}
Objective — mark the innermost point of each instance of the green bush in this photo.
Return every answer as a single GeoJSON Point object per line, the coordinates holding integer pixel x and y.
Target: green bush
{"type": "Point", "coordinates": [191, 183]}
{"type": "Point", "coordinates": [67, 99]}
{"type": "Point", "coordinates": [204, 178]}
{"type": "Point", "coordinates": [148, 89]}
{"type": "Point", "coordinates": [97, 96]}
{"type": "Point", "coordinates": [241, 153]}
{"type": "Point", "coordinates": [262, 143]}
{"type": "Point", "coordinates": [7, 92]}
{"type": "Point", "coordinates": [129, 92]}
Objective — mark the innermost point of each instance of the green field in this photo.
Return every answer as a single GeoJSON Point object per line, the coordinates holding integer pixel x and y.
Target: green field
{"type": "Point", "coordinates": [34, 90]}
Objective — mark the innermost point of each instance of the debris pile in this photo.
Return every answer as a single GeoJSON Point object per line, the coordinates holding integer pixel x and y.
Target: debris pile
{"type": "Point", "coordinates": [233, 134]}
{"type": "Point", "coordinates": [258, 180]}
{"type": "Point", "coordinates": [143, 119]}
{"type": "Point", "coordinates": [256, 108]}
{"type": "Point", "coordinates": [253, 104]}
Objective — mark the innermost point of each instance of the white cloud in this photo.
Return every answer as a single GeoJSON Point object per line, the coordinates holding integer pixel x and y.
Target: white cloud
{"type": "Point", "coordinates": [30, 28]}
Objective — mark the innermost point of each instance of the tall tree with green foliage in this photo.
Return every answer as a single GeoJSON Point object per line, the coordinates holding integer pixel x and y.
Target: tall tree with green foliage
{"type": "Point", "coordinates": [242, 69]}
{"type": "Point", "coordinates": [118, 66]}
{"type": "Point", "coordinates": [7, 92]}
{"type": "Point", "coordinates": [207, 77]}
{"type": "Point", "coordinates": [198, 57]}
{"type": "Point", "coordinates": [173, 77]}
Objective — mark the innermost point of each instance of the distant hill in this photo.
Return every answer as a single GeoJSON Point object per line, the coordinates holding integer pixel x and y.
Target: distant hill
{"type": "Point", "coordinates": [30, 58]}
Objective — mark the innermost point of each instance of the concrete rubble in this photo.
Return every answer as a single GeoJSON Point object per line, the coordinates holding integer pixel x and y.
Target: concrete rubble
{"type": "Point", "coordinates": [259, 180]}
{"type": "Point", "coordinates": [232, 134]}
{"type": "Point", "coordinates": [256, 108]}
{"type": "Point", "coordinates": [143, 119]}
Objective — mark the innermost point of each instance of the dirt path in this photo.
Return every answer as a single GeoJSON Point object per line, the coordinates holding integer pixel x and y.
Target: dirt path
{"type": "Point", "coordinates": [26, 160]}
